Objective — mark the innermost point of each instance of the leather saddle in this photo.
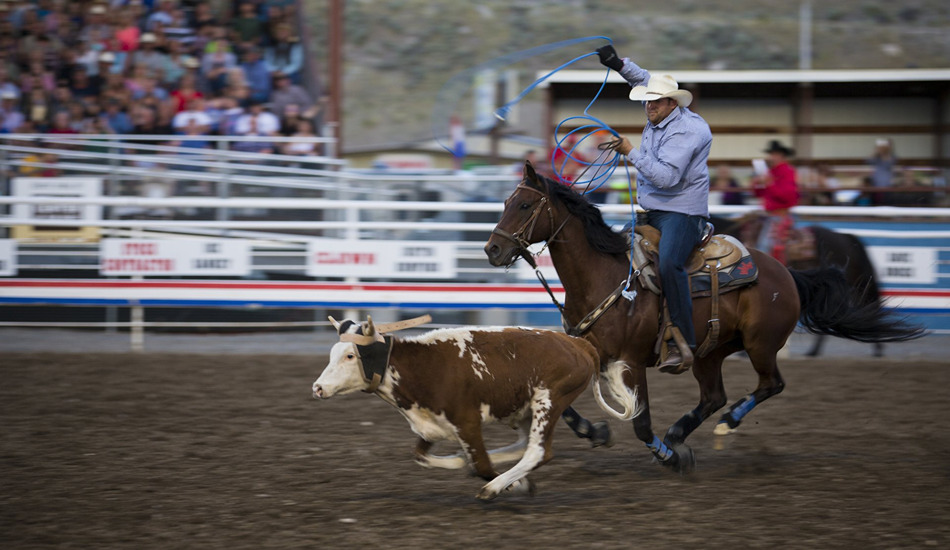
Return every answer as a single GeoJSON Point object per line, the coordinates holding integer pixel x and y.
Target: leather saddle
{"type": "Point", "coordinates": [720, 256]}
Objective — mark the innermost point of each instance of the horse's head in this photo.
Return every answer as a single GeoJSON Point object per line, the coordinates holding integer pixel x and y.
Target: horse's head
{"type": "Point", "coordinates": [528, 218]}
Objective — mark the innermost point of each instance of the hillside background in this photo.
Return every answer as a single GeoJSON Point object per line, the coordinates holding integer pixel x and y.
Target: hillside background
{"type": "Point", "coordinates": [399, 54]}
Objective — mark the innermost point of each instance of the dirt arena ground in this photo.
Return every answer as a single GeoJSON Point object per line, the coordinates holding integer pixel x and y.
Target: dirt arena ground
{"type": "Point", "coordinates": [158, 450]}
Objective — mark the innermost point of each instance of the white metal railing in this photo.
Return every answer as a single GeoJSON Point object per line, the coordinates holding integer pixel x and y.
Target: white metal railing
{"type": "Point", "coordinates": [354, 204]}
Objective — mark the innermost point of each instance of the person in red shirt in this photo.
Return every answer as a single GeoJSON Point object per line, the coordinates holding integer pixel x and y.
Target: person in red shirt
{"type": "Point", "coordinates": [778, 190]}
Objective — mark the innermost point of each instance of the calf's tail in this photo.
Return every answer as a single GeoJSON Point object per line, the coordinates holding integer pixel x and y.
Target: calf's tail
{"type": "Point", "coordinates": [624, 395]}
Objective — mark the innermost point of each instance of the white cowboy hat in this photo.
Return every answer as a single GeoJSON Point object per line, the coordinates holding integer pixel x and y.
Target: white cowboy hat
{"type": "Point", "coordinates": [660, 86]}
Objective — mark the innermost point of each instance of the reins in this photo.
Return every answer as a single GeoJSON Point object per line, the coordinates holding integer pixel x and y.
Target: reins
{"type": "Point", "coordinates": [520, 238]}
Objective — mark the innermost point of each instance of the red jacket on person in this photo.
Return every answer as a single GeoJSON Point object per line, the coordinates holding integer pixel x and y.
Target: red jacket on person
{"type": "Point", "coordinates": [781, 189]}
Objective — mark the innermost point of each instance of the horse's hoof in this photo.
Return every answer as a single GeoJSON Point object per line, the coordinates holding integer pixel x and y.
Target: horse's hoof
{"type": "Point", "coordinates": [723, 429]}
{"type": "Point", "coordinates": [600, 435]}
{"type": "Point", "coordinates": [681, 461]}
{"type": "Point", "coordinates": [685, 461]}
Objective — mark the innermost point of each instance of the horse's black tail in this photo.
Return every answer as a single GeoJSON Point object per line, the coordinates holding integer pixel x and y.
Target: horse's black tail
{"type": "Point", "coordinates": [830, 306]}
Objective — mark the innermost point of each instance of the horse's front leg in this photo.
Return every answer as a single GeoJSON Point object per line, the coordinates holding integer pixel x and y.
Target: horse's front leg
{"type": "Point", "coordinates": [712, 397]}
{"type": "Point", "coordinates": [678, 458]}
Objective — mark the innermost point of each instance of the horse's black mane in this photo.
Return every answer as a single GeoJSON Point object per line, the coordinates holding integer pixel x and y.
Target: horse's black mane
{"type": "Point", "coordinates": [600, 236]}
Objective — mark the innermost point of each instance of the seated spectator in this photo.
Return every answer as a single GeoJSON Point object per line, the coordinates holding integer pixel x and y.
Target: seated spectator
{"type": "Point", "coordinates": [11, 117]}
{"type": "Point", "coordinates": [77, 113]}
{"type": "Point", "coordinates": [88, 53]}
{"type": "Point", "coordinates": [96, 27]}
{"type": "Point", "coordinates": [285, 55]}
{"type": "Point", "coordinates": [215, 62]}
{"type": "Point", "coordinates": [224, 112]}
{"type": "Point", "coordinates": [108, 63]}
{"type": "Point", "coordinates": [202, 16]}
{"type": "Point", "coordinates": [192, 129]}
{"type": "Point", "coordinates": [302, 148]}
{"type": "Point", "coordinates": [62, 123]}
{"type": "Point", "coordinates": [145, 122]}
{"type": "Point", "coordinates": [290, 119]}
{"type": "Point", "coordinates": [61, 97]}
{"type": "Point", "coordinates": [175, 66]}
{"type": "Point", "coordinates": [256, 122]}
{"type": "Point", "coordinates": [187, 90]}
{"type": "Point", "coordinates": [127, 32]}
{"type": "Point", "coordinates": [274, 16]}
{"type": "Point", "coordinates": [116, 118]}
{"type": "Point", "coordinates": [149, 55]}
{"type": "Point", "coordinates": [287, 93]}
{"type": "Point", "coordinates": [36, 109]}
{"type": "Point", "coordinates": [115, 89]}
{"type": "Point", "coordinates": [82, 86]}
{"type": "Point", "coordinates": [256, 74]}
{"type": "Point", "coordinates": [178, 29]}
{"type": "Point", "coordinates": [163, 15]}
{"type": "Point", "coordinates": [37, 75]}
{"type": "Point", "coordinates": [195, 111]}
{"type": "Point", "coordinates": [9, 70]}
{"type": "Point", "coordinates": [247, 29]}
{"type": "Point", "coordinates": [7, 83]}
{"type": "Point", "coordinates": [150, 93]}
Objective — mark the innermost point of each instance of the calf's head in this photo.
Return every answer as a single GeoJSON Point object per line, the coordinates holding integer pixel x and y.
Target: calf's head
{"type": "Point", "coordinates": [343, 374]}
{"type": "Point", "coordinates": [357, 362]}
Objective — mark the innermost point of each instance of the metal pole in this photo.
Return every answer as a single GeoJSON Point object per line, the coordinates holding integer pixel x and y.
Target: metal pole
{"type": "Point", "coordinates": [336, 71]}
{"type": "Point", "coordinates": [804, 36]}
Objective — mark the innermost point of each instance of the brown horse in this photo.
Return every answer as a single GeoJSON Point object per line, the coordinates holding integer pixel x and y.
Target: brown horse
{"type": "Point", "coordinates": [591, 260]}
{"type": "Point", "coordinates": [816, 246]}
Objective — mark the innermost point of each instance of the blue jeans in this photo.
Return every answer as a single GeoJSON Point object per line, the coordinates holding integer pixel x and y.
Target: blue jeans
{"type": "Point", "coordinates": [680, 235]}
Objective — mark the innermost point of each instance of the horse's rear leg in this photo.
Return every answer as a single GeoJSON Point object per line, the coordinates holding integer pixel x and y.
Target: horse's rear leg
{"type": "Point", "coordinates": [770, 383]}
{"type": "Point", "coordinates": [598, 433]}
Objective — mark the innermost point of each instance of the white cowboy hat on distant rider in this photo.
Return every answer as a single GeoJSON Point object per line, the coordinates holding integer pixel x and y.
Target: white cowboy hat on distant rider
{"type": "Point", "coordinates": [660, 86]}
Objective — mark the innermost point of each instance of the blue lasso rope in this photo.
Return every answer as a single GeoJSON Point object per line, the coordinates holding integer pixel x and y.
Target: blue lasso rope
{"type": "Point", "coordinates": [456, 86]}
{"type": "Point", "coordinates": [603, 169]}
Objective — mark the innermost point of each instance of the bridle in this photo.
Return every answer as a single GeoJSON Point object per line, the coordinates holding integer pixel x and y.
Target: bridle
{"type": "Point", "coordinates": [519, 237]}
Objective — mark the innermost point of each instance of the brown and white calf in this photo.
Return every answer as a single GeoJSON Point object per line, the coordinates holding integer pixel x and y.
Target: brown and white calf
{"type": "Point", "coordinates": [448, 382]}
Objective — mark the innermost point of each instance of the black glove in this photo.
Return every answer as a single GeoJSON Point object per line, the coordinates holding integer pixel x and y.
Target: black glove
{"type": "Point", "coordinates": [609, 58]}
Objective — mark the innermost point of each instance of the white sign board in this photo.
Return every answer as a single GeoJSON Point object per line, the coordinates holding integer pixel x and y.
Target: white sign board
{"type": "Point", "coordinates": [381, 259]}
{"type": "Point", "coordinates": [57, 187]}
{"type": "Point", "coordinates": [213, 257]}
{"type": "Point", "coordinates": [7, 257]}
{"type": "Point", "coordinates": [903, 265]}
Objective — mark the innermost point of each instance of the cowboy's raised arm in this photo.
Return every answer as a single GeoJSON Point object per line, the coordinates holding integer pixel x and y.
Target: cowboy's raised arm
{"type": "Point", "coordinates": [630, 71]}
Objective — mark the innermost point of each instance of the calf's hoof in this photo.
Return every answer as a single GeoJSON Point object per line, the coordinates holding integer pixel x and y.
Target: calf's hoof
{"type": "Point", "coordinates": [523, 486]}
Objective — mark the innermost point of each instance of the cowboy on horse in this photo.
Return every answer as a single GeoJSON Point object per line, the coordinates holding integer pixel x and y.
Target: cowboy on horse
{"type": "Point", "coordinates": [673, 189]}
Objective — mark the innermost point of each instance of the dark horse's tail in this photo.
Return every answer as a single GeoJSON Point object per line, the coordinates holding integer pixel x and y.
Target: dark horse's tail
{"type": "Point", "coordinates": [830, 306]}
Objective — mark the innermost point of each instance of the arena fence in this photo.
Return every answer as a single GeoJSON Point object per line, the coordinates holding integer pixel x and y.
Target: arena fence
{"type": "Point", "coordinates": [282, 241]}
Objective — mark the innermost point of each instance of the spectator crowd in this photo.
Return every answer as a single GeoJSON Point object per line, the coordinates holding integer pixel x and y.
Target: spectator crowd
{"type": "Point", "coordinates": [147, 67]}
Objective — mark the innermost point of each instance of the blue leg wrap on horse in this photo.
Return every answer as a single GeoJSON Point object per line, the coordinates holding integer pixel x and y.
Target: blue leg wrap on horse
{"type": "Point", "coordinates": [741, 409]}
{"type": "Point", "coordinates": [659, 449]}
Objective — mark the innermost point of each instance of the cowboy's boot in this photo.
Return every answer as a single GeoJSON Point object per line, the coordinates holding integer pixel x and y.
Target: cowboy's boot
{"type": "Point", "coordinates": [679, 356]}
